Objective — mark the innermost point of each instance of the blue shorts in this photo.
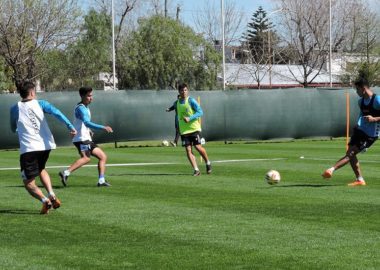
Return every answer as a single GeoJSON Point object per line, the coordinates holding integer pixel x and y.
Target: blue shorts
{"type": "Point", "coordinates": [85, 146]}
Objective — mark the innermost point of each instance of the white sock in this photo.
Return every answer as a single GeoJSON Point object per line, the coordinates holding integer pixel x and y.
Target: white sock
{"type": "Point", "coordinates": [208, 162]}
{"type": "Point", "coordinates": [44, 199]}
{"type": "Point", "coordinates": [360, 178]}
{"type": "Point", "coordinates": [196, 169]}
{"type": "Point", "coordinates": [66, 172]}
{"type": "Point", "coordinates": [101, 180]}
{"type": "Point", "coordinates": [332, 169]}
{"type": "Point", "coordinates": [51, 194]}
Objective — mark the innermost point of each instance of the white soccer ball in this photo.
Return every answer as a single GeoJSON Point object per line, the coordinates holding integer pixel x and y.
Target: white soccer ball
{"type": "Point", "coordinates": [272, 177]}
{"type": "Point", "coordinates": [165, 143]}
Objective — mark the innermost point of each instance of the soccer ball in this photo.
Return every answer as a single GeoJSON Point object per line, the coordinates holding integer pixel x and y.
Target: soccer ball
{"type": "Point", "coordinates": [165, 143]}
{"type": "Point", "coordinates": [272, 177]}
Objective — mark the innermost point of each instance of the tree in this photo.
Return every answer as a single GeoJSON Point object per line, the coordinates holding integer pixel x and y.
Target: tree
{"type": "Point", "coordinates": [5, 78]}
{"type": "Point", "coordinates": [29, 27]}
{"type": "Point", "coordinates": [162, 52]}
{"type": "Point", "coordinates": [91, 54]}
{"type": "Point", "coordinates": [305, 28]}
{"type": "Point", "coordinates": [256, 39]}
{"type": "Point", "coordinates": [208, 21]}
{"type": "Point", "coordinates": [257, 45]}
{"type": "Point", "coordinates": [364, 44]}
{"type": "Point", "coordinates": [80, 62]}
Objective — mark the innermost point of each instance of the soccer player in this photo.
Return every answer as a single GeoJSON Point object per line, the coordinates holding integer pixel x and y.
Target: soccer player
{"type": "Point", "coordinates": [83, 139]}
{"type": "Point", "coordinates": [365, 133]}
{"type": "Point", "coordinates": [36, 141]}
{"type": "Point", "coordinates": [189, 112]}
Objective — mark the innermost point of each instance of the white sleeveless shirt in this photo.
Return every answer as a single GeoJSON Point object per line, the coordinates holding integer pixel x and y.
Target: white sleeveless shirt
{"type": "Point", "coordinates": [32, 128]}
{"type": "Point", "coordinates": [83, 132]}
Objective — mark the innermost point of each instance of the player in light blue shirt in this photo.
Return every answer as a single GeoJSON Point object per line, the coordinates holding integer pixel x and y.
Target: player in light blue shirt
{"type": "Point", "coordinates": [83, 139]}
{"type": "Point", "coordinates": [365, 133]}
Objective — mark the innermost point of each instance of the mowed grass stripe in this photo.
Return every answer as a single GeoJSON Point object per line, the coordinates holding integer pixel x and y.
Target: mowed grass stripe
{"type": "Point", "coordinates": [160, 217]}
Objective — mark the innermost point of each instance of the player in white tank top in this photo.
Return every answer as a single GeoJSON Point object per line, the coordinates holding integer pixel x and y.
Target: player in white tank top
{"type": "Point", "coordinates": [36, 140]}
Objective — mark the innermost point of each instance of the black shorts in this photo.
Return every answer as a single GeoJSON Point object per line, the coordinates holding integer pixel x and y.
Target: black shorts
{"type": "Point", "coordinates": [86, 146]}
{"type": "Point", "coordinates": [361, 140]}
{"type": "Point", "coordinates": [191, 139]}
{"type": "Point", "coordinates": [32, 163]}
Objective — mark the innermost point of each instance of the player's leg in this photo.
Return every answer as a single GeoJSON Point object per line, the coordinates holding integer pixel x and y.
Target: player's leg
{"type": "Point", "coordinates": [82, 160]}
{"type": "Point", "coordinates": [29, 171]}
{"type": "Point", "coordinates": [351, 153]}
{"type": "Point", "coordinates": [192, 159]}
{"type": "Point", "coordinates": [33, 189]}
{"type": "Point", "coordinates": [84, 151]}
{"type": "Point", "coordinates": [354, 162]}
{"type": "Point", "coordinates": [102, 157]}
{"type": "Point", "coordinates": [197, 142]}
{"type": "Point", "coordinates": [45, 180]}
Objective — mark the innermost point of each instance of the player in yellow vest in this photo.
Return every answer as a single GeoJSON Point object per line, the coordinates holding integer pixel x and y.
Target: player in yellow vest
{"type": "Point", "coordinates": [189, 112]}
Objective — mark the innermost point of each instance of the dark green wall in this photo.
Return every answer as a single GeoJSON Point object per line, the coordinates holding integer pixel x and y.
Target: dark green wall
{"type": "Point", "coordinates": [228, 115]}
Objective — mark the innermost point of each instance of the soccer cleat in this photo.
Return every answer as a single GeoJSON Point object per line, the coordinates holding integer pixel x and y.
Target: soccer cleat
{"type": "Point", "coordinates": [173, 144]}
{"type": "Point", "coordinates": [45, 208]}
{"type": "Point", "coordinates": [208, 169]}
{"type": "Point", "coordinates": [357, 183]}
{"type": "Point", "coordinates": [104, 184]}
{"type": "Point", "coordinates": [64, 178]}
{"type": "Point", "coordinates": [327, 174]}
{"type": "Point", "coordinates": [55, 202]}
{"type": "Point", "coordinates": [196, 173]}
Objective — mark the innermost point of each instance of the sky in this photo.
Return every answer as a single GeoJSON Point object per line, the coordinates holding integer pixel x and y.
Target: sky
{"type": "Point", "coordinates": [189, 7]}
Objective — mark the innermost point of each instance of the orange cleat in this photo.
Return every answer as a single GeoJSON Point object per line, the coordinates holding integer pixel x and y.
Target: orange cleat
{"type": "Point", "coordinates": [357, 183]}
{"type": "Point", "coordinates": [45, 208]}
{"type": "Point", "coordinates": [55, 202]}
{"type": "Point", "coordinates": [327, 174]}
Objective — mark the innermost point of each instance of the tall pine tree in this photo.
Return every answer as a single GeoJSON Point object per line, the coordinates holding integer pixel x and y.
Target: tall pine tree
{"type": "Point", "coordinates": [257, 38]}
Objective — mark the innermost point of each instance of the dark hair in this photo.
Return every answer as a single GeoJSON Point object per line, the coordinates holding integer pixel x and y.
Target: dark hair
{"type": "Point", "coordinates": [84, 91]}
{"type": "Point", "coordinates": [361, 82]}
{"type": "Point", "coordinates": [182, 86]}
{"type": "Point", "coordinates": [25, 88]}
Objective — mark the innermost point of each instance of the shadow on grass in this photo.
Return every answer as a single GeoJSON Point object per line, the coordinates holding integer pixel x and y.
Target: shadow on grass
{"type": "Point", "coordinates": [151, 174]}
{"type": "Point", "coordinates": [18, 212]}
{"type": "Point", "coordinates": [40, 186]}
{"type": "Point", "coordinates": [305, 185]}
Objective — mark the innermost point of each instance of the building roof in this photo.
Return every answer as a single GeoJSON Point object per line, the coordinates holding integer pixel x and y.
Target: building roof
{"type": "Point", "coordinates": [245, 75]}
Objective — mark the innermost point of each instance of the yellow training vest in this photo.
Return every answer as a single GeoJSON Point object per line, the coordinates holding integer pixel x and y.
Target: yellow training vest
{"type": "Point", "coordinates": [185, 110]}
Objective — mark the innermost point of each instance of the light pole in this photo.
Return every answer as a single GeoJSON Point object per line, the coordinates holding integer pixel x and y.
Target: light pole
{"type": "Point", "coordinates": [330, 45]}
{"type": "Point", "coordinates": [270, 48]}
{"type": "Point", "coordinates": [223, 45]}
{"type": "Point", "coordinates": [113, 48]}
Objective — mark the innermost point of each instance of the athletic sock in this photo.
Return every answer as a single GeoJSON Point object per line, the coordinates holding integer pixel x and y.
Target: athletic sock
{"type": "Point", "coordinates": [332, 169]}
{"type": "Point", "coordinates": [208, 162]}
{"type": "Point", "coordinates": [360, 178]}
{"type": "Point", "coordinates": [66, 172]}
{"type": "Point", "coordinates": [44, 199]}
{"type": "Point", "coordinates": [51, 195]}
{"type": "Point", "coordinates": [196, 169]}
{"type": "Point", "coordinates": [101, 179]}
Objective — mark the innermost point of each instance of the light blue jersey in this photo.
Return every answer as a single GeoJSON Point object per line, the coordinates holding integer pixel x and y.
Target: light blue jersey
{"type": "Point", "coordinates": [371, 129]}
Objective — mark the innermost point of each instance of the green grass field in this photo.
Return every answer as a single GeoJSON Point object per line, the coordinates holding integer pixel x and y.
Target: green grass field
{"type": "Point", "coordinates": [161, 217]}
